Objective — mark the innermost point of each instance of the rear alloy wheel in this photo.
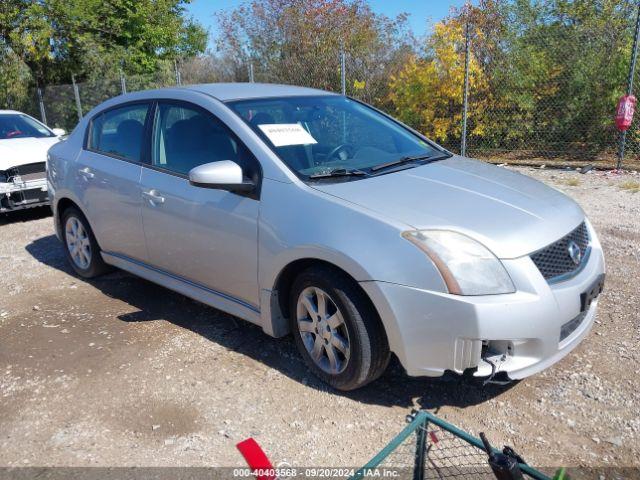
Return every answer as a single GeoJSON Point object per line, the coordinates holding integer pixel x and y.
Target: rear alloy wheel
{"type": "Point", "coordinates": [78, 243]}
{"type": "Point", "coordinates": [336, 329]}
{"type": "Point", "coordinates": [81, 250]}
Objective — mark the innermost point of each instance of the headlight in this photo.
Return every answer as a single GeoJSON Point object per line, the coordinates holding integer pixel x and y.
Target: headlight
{"type": "Point", "coordinates": [466, 266]}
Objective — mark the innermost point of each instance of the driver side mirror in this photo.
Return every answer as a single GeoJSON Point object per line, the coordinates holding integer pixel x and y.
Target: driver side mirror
{"type": "Point", "coordinates": [222, 175]}
{"type": "Point", "coordinates": [59, 132]}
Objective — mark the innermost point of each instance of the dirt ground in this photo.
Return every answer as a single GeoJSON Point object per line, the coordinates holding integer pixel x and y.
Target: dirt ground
{"type": "Point", "coordinates": [120, 372]}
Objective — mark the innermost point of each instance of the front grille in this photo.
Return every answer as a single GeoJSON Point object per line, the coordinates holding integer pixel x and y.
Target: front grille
{"type": "Point", "coordinates": [33, 195]}
{"type": "Point", "coordinates": [554, 261]}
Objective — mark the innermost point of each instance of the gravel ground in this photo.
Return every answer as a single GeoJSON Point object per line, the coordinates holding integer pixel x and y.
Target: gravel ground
{"type": "Point", "coordinates": [120, 372]}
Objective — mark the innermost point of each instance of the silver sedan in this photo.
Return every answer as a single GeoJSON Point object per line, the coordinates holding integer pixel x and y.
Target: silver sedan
{"type": "Point", "coordinates": [311, 213]}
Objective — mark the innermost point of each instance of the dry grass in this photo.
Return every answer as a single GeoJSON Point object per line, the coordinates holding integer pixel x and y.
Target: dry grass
{"type": "Point", "coordinates": [632, 186]}
{"type": "Point", "coordinates": [604, 163]}
{"type": "Point", "coordinates": [572, 182]}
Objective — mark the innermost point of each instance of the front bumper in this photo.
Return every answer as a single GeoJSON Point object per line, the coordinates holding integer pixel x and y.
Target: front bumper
{"type": "Point", "coordinates": [521, 333]}
{"type": "Point", "coordinates": [16, 195]}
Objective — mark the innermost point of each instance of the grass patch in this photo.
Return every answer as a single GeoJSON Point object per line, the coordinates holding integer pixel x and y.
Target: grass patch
{"type": "Point", "coordinates": [632, 186]}
{"type": "Point", "coordinates": [572, 182]}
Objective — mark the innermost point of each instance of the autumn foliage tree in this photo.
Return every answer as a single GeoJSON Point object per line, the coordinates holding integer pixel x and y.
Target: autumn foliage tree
{"type": "Point", "coordinates": [426, 93]}
{"type": "Point", "coordinates": [299, 42]}
{"type": "Point", "coordinates": [544, 77]}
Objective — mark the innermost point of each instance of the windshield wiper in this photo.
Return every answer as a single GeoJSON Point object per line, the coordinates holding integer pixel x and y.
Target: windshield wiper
{"type": "Point", "coordinates": [338, 172]}
{"type": "Point", "coordinates": [400, 161]}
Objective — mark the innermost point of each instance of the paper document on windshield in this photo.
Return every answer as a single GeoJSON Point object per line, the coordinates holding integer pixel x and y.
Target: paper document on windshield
{"type": "Point", "coordinates": [284, 134]}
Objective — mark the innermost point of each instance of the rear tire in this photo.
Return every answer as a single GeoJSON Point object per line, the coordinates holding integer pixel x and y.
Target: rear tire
{"type": "Point", "coordinates": [336, 329]}
{"type": "Point", "coordinates": [81, 248]}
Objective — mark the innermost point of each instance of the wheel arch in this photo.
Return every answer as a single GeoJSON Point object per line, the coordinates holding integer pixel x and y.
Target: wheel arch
{"type": "Point", "coordinates": [59, 207]}
{"type": "Point", "coordinates": [275, 302]}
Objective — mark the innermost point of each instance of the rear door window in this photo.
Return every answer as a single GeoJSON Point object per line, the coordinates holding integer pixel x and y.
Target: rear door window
{"type": "Point", "coordinates": [120, 132]}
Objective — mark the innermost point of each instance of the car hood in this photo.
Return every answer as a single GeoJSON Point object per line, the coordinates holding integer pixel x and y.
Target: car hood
{"type": "Point", "coordinates": [20, 151]}
{"type": "Point", "coordinates": [510, 213]}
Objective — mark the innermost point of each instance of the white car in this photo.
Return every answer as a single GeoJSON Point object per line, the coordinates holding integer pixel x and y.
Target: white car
{"type": "Point", "coordinates": [24, 142]}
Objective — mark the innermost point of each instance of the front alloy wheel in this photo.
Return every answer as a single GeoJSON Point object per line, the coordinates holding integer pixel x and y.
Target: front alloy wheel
{"type": "Point", "coordinates": [323, 330]}
{"type": "Point", "coordinates": [336, 329]}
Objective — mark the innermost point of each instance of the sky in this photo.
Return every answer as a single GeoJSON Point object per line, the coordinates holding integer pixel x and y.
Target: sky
{"type": "Point", "coordinates": [423, 13]}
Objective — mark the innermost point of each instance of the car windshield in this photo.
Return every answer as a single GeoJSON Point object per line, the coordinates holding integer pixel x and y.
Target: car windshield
{"type": "Point", "coordinates": [16, 125]}
{"type": "Point", "coordinates": [330, 135]}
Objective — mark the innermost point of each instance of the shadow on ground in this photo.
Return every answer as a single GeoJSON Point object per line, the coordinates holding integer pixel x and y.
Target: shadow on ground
{"type": "Point", "coordinates": [25, 215]}
{"type": "Point", "coordinates": [153, 302]}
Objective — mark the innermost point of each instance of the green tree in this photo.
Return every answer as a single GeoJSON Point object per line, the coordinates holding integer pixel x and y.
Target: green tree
{"type": "Point", "coordinates": [559, 68]}
{"type": "Point", "coordinates": [54, 38]}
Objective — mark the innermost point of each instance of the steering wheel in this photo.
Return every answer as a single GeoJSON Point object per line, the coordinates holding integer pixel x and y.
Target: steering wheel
{"type": "Point", "coordinates": [13, 133]}
{"type": "Point", "coordinates": [347, 147]}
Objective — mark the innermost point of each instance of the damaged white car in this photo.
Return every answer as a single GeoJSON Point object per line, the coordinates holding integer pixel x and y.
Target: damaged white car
{"type": "Point", "coordinates": [24, 142]}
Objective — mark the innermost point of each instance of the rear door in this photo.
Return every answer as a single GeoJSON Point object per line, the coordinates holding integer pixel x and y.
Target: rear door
{"type": "Point", "coordinates": [107, 178]}
{"type": "Point", "coordinates": [205, 236]}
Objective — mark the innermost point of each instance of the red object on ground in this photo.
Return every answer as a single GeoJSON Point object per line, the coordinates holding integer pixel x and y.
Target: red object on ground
{"type": "Point", "coordinates": [624, 112]}
{"type": "Point", "coordinates": [256, 459]}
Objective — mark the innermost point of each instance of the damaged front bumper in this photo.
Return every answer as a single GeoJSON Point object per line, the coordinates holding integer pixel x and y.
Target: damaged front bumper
{"type": "Point", "coordinates": [516, 335]}
{"type": "Point", "coordinates": [17, 194]}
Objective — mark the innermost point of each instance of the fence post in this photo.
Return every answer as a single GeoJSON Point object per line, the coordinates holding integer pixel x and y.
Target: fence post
{"type": "Point", "coordinates": [123, 83]}
{"type": "Point", "coordinates": [421, 450]}
{"type": "Point", "coordinates": [43, 114]}
{"type": "Point", "coordinates": [251, 79]}
{"type": "Point", "coordinates": [343, 73]}
{"type": "Point", "coordinates": [177, 72]}
{"type": "Point", "coordinates": [632, 69]}
{"type": "Point", "coordinates": [76, 94]}
{"type": "Point", "coordinates": [465, 95]}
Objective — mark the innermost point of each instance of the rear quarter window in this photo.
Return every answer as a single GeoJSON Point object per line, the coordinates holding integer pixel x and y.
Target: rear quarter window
{"type": "Point", "coordinates": [119, 132]}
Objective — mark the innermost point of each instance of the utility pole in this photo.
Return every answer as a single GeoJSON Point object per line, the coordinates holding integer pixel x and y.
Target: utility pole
{"type": "Point", "coordinates": [632, 70]}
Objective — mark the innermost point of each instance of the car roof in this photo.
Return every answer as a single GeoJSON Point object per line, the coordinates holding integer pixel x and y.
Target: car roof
{"type": "Point", "coordinates": [9, 111]}
{"type": "Point", "coordinates": [244, 91]}
{"type": "Point", "coordinates": [223, 92]}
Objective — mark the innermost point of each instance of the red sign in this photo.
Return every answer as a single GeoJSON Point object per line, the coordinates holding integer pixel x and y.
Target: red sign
{"type": "Point", "coordinates": [624, 112]}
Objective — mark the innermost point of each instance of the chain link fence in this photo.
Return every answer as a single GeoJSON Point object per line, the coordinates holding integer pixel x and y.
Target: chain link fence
{"type": "Point", "coordinates": [557, 110]}
{"type": "Point", "coordinates": [550, 111]}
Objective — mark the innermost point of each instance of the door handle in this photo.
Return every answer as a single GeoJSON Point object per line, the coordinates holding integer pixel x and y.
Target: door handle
{"type": "Point", "coordinates": [153, 197]}
{"type": "Point", "coordinates": [86, 173]}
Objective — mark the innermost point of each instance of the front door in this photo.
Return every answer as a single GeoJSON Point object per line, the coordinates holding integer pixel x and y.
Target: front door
{"type": "Point", "coordinates": [202, 235]}
{"type": "Point", "coordinates": [107, 179]}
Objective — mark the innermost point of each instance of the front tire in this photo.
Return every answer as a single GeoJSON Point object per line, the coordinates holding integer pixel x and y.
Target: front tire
{"type": "Point", "coordinates": [336, 329]}
{"type": "Point", "coordinates": [81, 248]}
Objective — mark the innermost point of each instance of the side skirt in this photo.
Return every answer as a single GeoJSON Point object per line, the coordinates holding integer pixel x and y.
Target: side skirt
{"type": "Point", "coordinates": [190, 289]}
